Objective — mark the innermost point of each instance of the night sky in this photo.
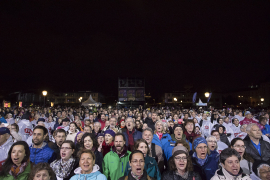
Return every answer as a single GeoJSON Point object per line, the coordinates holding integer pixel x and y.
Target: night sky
{"type": "Point", "coordinates": [87, 45]}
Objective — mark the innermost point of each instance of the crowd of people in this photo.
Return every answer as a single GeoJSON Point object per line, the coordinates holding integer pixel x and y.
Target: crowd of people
{"type": "Point", "coordinates": [79, 143]}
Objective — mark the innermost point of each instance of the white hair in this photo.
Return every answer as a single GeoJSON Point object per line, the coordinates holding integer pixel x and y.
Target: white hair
{"type": "Point", "coordinates": [249, 126]}
{"type": "Point", "coordinates": [98, 123]}
{"type": "Point", "coordinates": [243, 126]}
{"type": "Point", "coordinates": [261, 166]}
{"type": "Point", "coordinates": [212, 137]}
{"type": "Point", "coordinates": [131, 119]}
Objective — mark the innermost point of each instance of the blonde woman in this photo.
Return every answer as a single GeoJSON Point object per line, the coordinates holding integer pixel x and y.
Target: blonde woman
{"type": "Point", "coordinates": [161, 137]}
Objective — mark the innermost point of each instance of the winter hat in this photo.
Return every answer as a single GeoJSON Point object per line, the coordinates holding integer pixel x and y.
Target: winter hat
{"type": "Point", "coordinates": [198, 141]}
{"type": "Point", "coordinates": [177, 125]}
{"type": "Point", "coordinates": [109, 131]}
{"type": "Point", "coordinates": [121, 121]}
{"type": "Point", "coordinates": [100, 134]}
{"type": "Point", "coordinates": [4, 130]}
{"type": "Point", "coordinates": [41, 119]}
{"type": "Point", "coordinates": [247, 112]}
{"type": "Point", "coordinates": [176, 150]}
{"type": "Point", "coordinates": [257, 165]}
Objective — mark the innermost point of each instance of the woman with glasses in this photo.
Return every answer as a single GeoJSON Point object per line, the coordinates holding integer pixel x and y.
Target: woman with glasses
{"type": "Point", "coordinates": [137, 166]}
{"type": "Point", "coordinates": [212, 145]}
{"type": "Point", "coordinates": [246, 160]}
{"type": "Point", "coordinates": [150, 164]}
{"type": "Point", "coordinates": [180, 166]}
{"type": "Point", "coordinates": [65, 166]}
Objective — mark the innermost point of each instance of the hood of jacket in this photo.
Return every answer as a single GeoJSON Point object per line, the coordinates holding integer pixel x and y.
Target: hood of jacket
{"type": "Point", "coordinates": [79, 169]}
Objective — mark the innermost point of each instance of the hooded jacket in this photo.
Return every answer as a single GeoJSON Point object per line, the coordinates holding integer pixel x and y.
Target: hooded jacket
{"type": "Point", "coordinates": [71, 136]}
{"type": "Point", "coordinates": [151, 167]}
{"type": "Point", "coordinates": [94, 175]}
{"type": "Point", "coordinates": [4, 150]}
{"type": "Point", "coordinates": [222, 174]}
{"type": "Point", "coordinates": [137, 135]}
{"type": "Point", "coordinates": [171, 175]}
{"type": "Point", "coordinates": [43, 154]}
{"type": "Point", "coordinates": [165, 138]}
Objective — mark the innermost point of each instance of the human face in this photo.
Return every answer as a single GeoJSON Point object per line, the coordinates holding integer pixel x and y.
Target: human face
{"type": "Point", "coordinates": [66, 151]}
{"type": "Point", "coordinates": [87, 123]}
{"type": "Point", "coordinates": [72, 128]}
{"type": "Point", "coordinates": [60, 138]}
{"type": "Point", "coordinates": [212, 144]}
{"type": "Point", "coordinates": [255, 132]}
{"type": "Point", "coordinates": [201, 150]}
{"type": "Point", "coordinates": [147, 135]}
{"type": "Point", "coordinates": [100, 140]}
{"type": "Point", "coordinates": [236, 122]}
{"type": "Point", "coordinates": [265, 173]}
{"type": "Point", "coordinates": [186, 116]}
{"type": "Point", "coordinates": [13, 128]}
{"type": "Point", "coordinates": [88, 143]}
{"type": "Point", "coordinates": [87, 129]}
{"type": "Point", "coordinates": [220, 121]}
{"type": "Point", "coordinates": [181, 162]}
{"type": "Point", "coordinates": [216, 134]}
{"type": "Point", "coordinates": [65, 123]}
{"type": "Point", "coordinates": [263, 122]}
{"type": "Point", "coordinates": [143, 147]}
{"type": "Point", "coordinates": [123, 123]}
{"type": "Point", "coordinates": [42, 175]}
{"type": "Point", "coordinates": [137, 164]}
{"type": "Point", "coordinates": [129, 124]}
{"type": "Point", "coordinates": [240, 147]}
{"type": "Point", "coordinates": [249, 116]}
{"type": "Point", "coordinates": [175, 117]}
{"type": "Point", "coordinates": [189, 127]}
{"type": "Point", "coordinates": [50, 119]}
{"type": "Point", "coordinates": [159, 127]}
{"type": "Point", "coordinates": [108, 138]}
{"type": "Point", "coordinates": [107, 123]}
{"type": "Point", "coordinates": [38, 137]}
{"type": "Point", "coordinates": [86, 163]}
{"type": "Point", "coordinates": [102, 117]}
{"type": "Point", "coordinates": [112, 122]}
{"type": "Point", "coordinates": [119, 143]}
{"type": "Point", "coordinates": [226, 120]}
{"type": "Point", "coordinates": [17, 154]}
{"type": "Point", "coordinates": [232, 165]}
{"type": "Point", "coordinates": [79, 137]}
{"type": "Point", "coordinates": [96, 127]}
{"type": "Point", "coordinates": [178, 132]}
{"type": "Point", "coordinates": [154, 117]}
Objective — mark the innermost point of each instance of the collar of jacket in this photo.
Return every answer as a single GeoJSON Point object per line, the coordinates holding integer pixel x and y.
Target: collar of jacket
{"type": "Point", "coordinates": [123, 153]}
{"type": "Point", "coordinates": [223, 172]}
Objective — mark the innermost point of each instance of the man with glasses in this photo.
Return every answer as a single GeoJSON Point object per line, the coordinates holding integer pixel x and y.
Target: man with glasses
{"type": "Point", "coordinates": [60, 136]}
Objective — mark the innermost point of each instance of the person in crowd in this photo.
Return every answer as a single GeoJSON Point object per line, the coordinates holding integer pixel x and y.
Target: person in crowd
{"type": "Point", "coordinates": [131, 134]}
{"type": "Point", "coordinates": [87, 122]}
{"type": "Point", "coordinates": [108, 142]}
{"type": "Point", "coordinates": [160, 136]}
{"type": "Point", "coordinates": [50, 126]}
{"type": "Point", "coordinates": [87, 168]}
{"type": "Point", "coordinates": [10, 119]}
{"type": "Point", "coordinates": [87, 129]}
{"type": "Point", "coordinates": [112, 125]}
{"type": "Point", "coordinates": [42, 171]}
{"type": "Point", "coordinates": [243, 132]}
{"type": "Point", "coordinates": [155, 151]}
{"type": "Point", "coordinates": [261, 170]}
{"type": "Point", "coordinates": [266, 127]}
{"type": "Point", "coordinates": [122, 125]}
{"type": "Point", "coordinates": [5, 144]}
{"type": "Point", "coordinates": [178, 134]}
{"type": "Point", "coordinates": [203, 162]}
{"type": "Point", "coordinates": [102, 121]}
{"type": "Point", "coordinates": [223, 137]}
{"type": "Point", "coordinates": [39, 150]}
{"type": "Point", "coordinates": [214, 118]}
{"type": "Point", "coordinates": [236, 127]}
{"type": "Point", "coordinates": [206, 126]}
{"type": "Point", "coordinates": [246, 160]}
{"type": "Point", "coordinates": [64, 167]}
{"type": "Point", "coordinates": [150, 164]}
{"type": "Point", "coordinates": [72, 132]}
{"type": "Point", "coordinates": [17, 165]}
{"type": "Point", "coordinates": [180, 166]}
{"type": "Point", "coordinates": [151, 121]}
{"type": "Point", "coordinates": [79, 124]}
{"type": "Point", "coordinates": [248, 119]}
{"type": "Point", "coordinates": [169, 147]}
{"type": "Point", "coordinates": [137, 166]}
{"type": "Point", "coordinates": [190, 130]}
{"type": "Point", "coordinates": [14, 131]}
{"type": "Point", "coordinates": [138, 125]}
{"type": "Point", "coordinates": [65, 124]}
{"type": "Point", "coordinates": [230, 161]}
{"type": "Point", "coordinates": [89, 142]}
{"type": "Point", "coordinates": [100, 139]}
{"type": "Point", "coordinates": [213, 146]}
{"type": "Point", "coordinates": [78, 137]}
{"type": "Point", "coordinates": [114, 162]}
{"type": "Point", "coordinates": [255, 145]}
{"type": "Point", "coordinates": [59, 136]}
{"type": "Point", "coordinates": [228, 129]}
{"type": "Point", "coordinates": [220, 145]}
{"type": "Point", "coordinates": [2, 119]}
{"type": "Point", "coordinates": [97, 130]}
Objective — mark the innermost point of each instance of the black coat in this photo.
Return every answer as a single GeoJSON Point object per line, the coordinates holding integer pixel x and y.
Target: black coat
{"type": "Point", "coordinates": [130, 177]}
{"type": "Point", "coordinates": [76, 164]}
{"type": "Point", "coordinates": [224, 138]}
{"type": "Point", "coordinates": [56, 149]}
{"type": "Point", "coordinates": [99, 159]}
{"type": "Point", "coordinates": [171, 175]}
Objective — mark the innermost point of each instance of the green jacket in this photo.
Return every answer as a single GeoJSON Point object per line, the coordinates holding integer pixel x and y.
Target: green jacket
{"type": "Point", "coordinates": [113, 166]}
{"type": "Point", "coordinates": [22, 176]}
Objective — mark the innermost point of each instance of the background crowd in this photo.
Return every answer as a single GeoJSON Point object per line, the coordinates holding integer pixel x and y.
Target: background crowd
{"type": "Point", "coordinates": [80, 143]}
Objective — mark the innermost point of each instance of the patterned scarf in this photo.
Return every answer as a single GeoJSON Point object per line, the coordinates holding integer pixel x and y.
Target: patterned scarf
{"type": "Point", "coordinates": [184, 176]}
{"type": "Point", "coordinates": [137, 177]}
{"type": "Point", "coordinates": [63, 169]}
{"type": "Point", "coordinates": [15, 171]}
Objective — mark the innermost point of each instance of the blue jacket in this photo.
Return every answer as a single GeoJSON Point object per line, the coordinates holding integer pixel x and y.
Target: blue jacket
{"type": "Point", "coordinates": [2, 119]}
{"type": "Point", "coordinates": [137, 135]}
{"type": "Point", "coordinates": [165, 138]}
{"type": "Point", "coordinates": [208, 169]}
{"type": "Point", "coordinates": [266, 129]}
{"type": "Point", "coordinates": [43, 154]}
{"type": "Point", "coordinates": [168, 148]}
{"type": "Point", "coordinates": [94, 175]}
{"type": "Point", "coordinates": [150, 166]}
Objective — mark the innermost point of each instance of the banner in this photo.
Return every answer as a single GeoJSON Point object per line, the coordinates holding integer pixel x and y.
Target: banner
{"type": "Point", "coordinates": [194, 97]}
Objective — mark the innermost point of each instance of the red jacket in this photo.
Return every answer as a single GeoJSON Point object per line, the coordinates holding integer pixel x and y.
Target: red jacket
{"type": "Point", "coordinates": [102, 124]}
{"type": "Point", "coordinates": [249, 121]}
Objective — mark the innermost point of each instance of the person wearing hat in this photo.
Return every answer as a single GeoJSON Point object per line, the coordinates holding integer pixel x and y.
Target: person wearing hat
{"type": "Point", "coordinates": [248, 119]}
{"type": "Point", "coordinates": [100, 139]}
{"type": "Point", "coordinates": [181, 167]}
{"type": "Point", "coordinates": [108, 142]}
{"type": "Point", "coordinates": [204, 163]}
{"type": "Point", "coordinates": [261, 170]}
{"type": "Point", "coordinates": [230, 161]}
{"type": "Point", "coordinates": [5, 144]}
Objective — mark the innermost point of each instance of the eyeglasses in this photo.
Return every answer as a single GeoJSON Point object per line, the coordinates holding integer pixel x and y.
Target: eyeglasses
{"type": "Point", "coordinates": [238, 147]}
{"type": "Point", "coordinates": [137, 162]}
{"type": "Point", "coordinates": [202, 148]}
{"type": "Point", "coordinates": [180, 158]}
{"type": "Point", "coordinates": [66, 148]}
{"type": "Point", "coordinates": [212, 141]}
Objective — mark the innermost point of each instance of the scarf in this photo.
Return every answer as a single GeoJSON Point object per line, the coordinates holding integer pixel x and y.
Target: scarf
{"type": "Point", "coordinates": [159, 135]}
{"type": "Point", "coordinates": [130, 139]}
{"type": "Point", "coordinates": [190, 137]}
{"type": "Point", "coordinates": [184, 176]}
{"type": "Point", "coordinates": [15, 171]}
{"type": "Point", "coordinates": [137, 177]}
{"type": "Point", "coordinates": [63, 169]}
{"type": "Point", "coordinates": [200, 161]}
{"type": "Point", "coordinates": [122, 127]}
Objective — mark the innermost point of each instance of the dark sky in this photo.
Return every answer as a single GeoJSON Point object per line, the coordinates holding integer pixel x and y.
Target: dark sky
{"type": "Point", "coordinates": [87, 45]}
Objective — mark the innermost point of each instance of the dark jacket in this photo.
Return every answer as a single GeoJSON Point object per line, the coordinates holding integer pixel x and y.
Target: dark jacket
{"type": "Point", "coordinates": [56, 149]}
{"type": "Point", "coordinates": [137, 135]}
{"type": "Point", "coordinates": [207, 171]}
{"type": "Point", "coordinates": [224, 138]}
{"type": "Point", "coordinates": [171, 175]}
{"type": "Point", "coordinates": [265, 149]}
{"type": "Point", "coordinates": [150, 123]}
{"type": "Point", "coordinates": [99, 159]}
{"type": "Point", "coordinates": [132, 178]}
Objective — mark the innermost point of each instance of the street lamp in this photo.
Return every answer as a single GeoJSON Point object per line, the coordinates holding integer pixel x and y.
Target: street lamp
{"type": "Point", "coordinates": [262, 99]}
{"type": "Point", "coordinates": [175, 99]}
{"type": "Point", "coordinates": [206, 94]}
{"type": "Point", "coordinates": [44, 94]}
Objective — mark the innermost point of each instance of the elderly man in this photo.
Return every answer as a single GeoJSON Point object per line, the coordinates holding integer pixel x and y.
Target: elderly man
{"type": "Point", "coordinates": [112, 125]}
{"type": "Point", "coordinates": [261, 170]}
{"type": "Point", "coordinates": [131, 134]}
{"type": "Point", "coordinates": [255, 145]}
